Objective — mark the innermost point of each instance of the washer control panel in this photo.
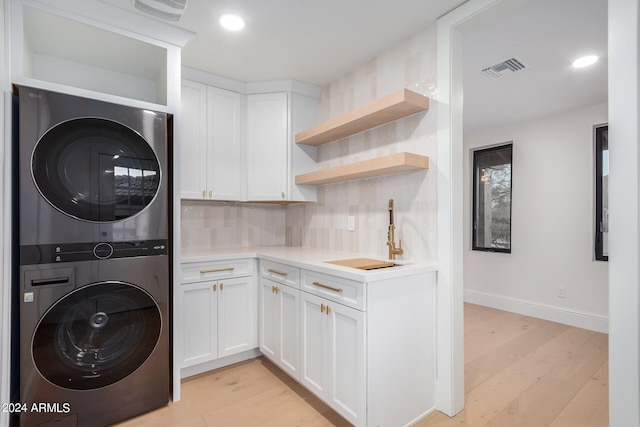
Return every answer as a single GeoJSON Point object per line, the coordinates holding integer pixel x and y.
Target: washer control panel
{"type": "Point", "coordinates": [90, 251]}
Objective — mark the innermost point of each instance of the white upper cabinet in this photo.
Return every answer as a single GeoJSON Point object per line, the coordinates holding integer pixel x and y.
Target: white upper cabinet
{"type": "Point", "coordinates": [246, 134]}
{"type": "Point", "coordinates": [267, 124]}
{"type": "Point", "coordinates": [273, 159]}
{"type": "Point", "coordinates": [224, 153]}
{"type": "Point", "coordinates": [193, 141]}
{"type": "Point", "coordinates": [210, 143]}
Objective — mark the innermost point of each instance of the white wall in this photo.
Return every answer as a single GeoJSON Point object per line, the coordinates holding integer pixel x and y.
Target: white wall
{"type": "Point", "coordinates": [552, 223]}
{"type": "Point", "coordinates": [412, 65]}
{"type": "Point", "coordinates": [624, 220]}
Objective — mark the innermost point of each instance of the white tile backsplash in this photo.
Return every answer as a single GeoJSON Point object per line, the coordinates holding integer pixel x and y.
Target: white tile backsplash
{"type": "Point", "coordinates": [208, 225]}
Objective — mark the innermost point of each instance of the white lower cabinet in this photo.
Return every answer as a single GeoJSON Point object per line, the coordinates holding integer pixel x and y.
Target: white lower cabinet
{"type": "Point", "coordinates": [200, 331]}
{"type": "Point", "coordinates": [236, 316]}
{"type": "Point", "coordinates": [333, 362]}
{"type": "Point", "coordinates": [279, 325]}
{"type": "Point", "coordinates": [366, 348]}
{"type": "Point", "coordinates": [219, 318]}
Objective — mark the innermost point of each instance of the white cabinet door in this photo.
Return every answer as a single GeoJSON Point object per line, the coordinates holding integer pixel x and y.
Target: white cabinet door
{"type": "Point", "coordinates": [314, 357]}
{"type": "Point", "coordinates": [279, 325]}
{"type": "Point", "coordinates": [224, 145]}
{"type": "Point", "coordinates": [200, 340]}
{"type": "Point", "coordinates": [192, 140]}
{"type": "Point", "coordinates": [219, 319]}
{"type": "Point", "coordinates": [210, 143]}
{"type": "Point", "coordinates": [289, 330]}
{"type": "Point", "coordinates": [333, 362]}
{"type": "Point", "coordinates": [268, 323]}
{"type": "Point", "coordinates": [237, 326]}
{"type": "Point", "coordinates": [267, 141]}
{"type": "Point", "coordinates": [348, 368]}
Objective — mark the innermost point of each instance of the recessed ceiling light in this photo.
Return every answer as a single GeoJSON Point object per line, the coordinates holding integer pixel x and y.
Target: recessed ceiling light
{"type": "Point", "coordinates": [585, 61]}
{"type": "Point", "coordinates": [231, 22]}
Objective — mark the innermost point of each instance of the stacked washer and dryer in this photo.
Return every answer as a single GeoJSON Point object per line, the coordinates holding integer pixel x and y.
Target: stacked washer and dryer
{"type": "Point", "coordinates": [92, 279]}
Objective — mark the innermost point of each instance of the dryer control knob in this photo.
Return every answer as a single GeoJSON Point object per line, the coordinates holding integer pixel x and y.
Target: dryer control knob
{"type": "Point", "coordinates": [103, 250]}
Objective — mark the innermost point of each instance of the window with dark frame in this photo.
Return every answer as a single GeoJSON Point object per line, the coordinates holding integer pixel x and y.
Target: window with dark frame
{"type": "Point", "coordinates": [602, 193]}
{"type": "Point", "coordinates": [492, 199]}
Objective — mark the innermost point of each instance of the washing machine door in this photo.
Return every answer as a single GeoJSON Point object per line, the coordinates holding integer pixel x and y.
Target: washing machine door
{"type": "Point", "coordinates": [96, 335]}
{"type": "Point", "coordinates": [95, 169]}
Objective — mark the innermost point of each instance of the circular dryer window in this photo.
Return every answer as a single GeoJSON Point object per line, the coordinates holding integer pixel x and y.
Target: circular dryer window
{"type": "Point", "coordinates": [95, 169]}
{"type": "Point", "coordinates": [96, 335]}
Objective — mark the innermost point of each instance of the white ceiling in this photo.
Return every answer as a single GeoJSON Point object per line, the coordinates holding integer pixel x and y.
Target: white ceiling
{"type": "Point", "coordinates": [547, 35]}
{"type": "Point", "coordinates": [319, 41]}
{"type": "Point", "coordinates": [314, 41]}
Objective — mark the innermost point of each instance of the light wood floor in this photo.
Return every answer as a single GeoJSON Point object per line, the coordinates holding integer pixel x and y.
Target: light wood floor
{"type": "Point", "coordinates": [519, 372]}
{"type": "Point", "coordinates": [526, 372]}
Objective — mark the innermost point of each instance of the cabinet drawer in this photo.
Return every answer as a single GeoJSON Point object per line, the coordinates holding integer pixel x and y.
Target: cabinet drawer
{"type": "Point", "coordinates": [281, 273]}
{"type": "Point", "coordinates": [348, 292]}
{"type": "Point", "coordinates": [214, 270]}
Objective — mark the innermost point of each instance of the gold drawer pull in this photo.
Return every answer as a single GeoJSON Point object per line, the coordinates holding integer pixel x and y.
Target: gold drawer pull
{"type": "Point", "coordinates": [217, 270]}
{"type": "Point", "coordinates": [279, 273]}
{"type": "Point", "coordinates": [327, 287]}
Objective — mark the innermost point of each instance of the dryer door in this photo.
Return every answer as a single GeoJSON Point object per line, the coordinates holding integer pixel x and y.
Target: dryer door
{"type": "Point", "coordinates": [95, 169]}
{"type": "Point", "coordinates": [96, 335]}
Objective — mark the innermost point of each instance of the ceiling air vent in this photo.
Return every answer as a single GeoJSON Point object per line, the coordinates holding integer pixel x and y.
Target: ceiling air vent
{"type": "Point", "coordinates": [170, 10]}
{"type": "Point", "coordinates": [496, 71]}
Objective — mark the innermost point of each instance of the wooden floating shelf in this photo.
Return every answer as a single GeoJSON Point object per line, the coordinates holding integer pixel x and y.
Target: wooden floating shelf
{"type": "Point", "coordinates": [384, 110]}
{"type": "Point", "coordinates": [387, 165]}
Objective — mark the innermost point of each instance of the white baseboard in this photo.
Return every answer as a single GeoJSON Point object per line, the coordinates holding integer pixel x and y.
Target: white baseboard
{"type": "Point", "coordinates": [593, 322]}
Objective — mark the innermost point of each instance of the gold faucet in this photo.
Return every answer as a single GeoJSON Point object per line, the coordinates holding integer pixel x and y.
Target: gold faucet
{"type": "Point", "coordinates": [393, 251]}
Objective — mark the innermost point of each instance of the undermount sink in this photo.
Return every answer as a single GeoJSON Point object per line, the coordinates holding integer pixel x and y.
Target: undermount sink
{"type": "Point", "coordinates": [363, 263]}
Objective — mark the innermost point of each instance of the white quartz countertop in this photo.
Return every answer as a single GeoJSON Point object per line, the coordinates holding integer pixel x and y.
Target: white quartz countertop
{"type": "Point", "coordinates": [313, 259]}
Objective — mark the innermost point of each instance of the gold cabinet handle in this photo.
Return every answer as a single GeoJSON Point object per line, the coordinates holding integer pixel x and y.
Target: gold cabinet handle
{"type": "Point", "coordinates": [328, 310]}
{"type": "Point", "coordinates": [277, 290]}
{"type": "Point", "coordinates": [279, 273]}
{"type": "Point", "coordinates": [322, 308]}
{"type": "Point", "coordinates": [204, 194]}
{"type": "Point", "coordinates": [273, 289]}
{"type": "Point", "coordinates": [221, 286]}
{"type": "Point", "coordinates": [210, 194]}
{"type": "Point", "coordinates": [214, 287]}
{"type": "Point", "coordinates": [217, 270]}
{"type": "Point", "coordinates": [331, 288]}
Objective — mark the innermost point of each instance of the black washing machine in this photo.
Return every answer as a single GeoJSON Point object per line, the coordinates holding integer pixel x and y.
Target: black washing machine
{"type": "Point", "coordinates": [94, 340]}
{"type": "Point", "coordinates": [90, 171]}
{"type": "Point", "coordinates": [91, 282]}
